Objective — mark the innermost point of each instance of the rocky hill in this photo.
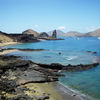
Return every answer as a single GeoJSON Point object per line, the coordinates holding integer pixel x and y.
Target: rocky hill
{"type": "Point", "coordinates": [95, 33]}
{"type": "Point", "coordinates": [31, 32]}
{"type": "Point", "coordinates": [24, 38]}
{"type": "Point", "coordinates": [43, 34]}
{"type": "Point", "coordinates": [73, 34]}
{"type": "Point", "coordinates": [5, 38]}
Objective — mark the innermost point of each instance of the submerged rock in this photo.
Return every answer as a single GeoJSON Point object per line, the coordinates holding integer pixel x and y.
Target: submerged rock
{"type": "Point", "coordinates": [92, 52]}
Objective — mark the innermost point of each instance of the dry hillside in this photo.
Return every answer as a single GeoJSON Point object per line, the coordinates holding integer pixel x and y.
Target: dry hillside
{"type": "Point", "coordinates": [4, 38]}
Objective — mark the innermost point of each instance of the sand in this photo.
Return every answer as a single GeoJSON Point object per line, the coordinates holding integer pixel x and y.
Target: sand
{"type": "Point", "coordinates": [43, 89]}
{"type": "Point", "coordinates": [7, 51]}
{"type": "Point", "coordinates": [8, 43]}
{"type": "Point", "coordinates": [52, 89]}
{"type": "Point", "coordinates": [69, 94]}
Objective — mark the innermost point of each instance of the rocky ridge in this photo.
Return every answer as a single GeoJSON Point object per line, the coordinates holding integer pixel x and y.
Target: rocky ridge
{"type": "Point", "coordinates": [15, 73]}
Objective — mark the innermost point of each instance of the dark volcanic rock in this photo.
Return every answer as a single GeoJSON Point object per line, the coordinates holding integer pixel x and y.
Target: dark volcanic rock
{"type": "Point", "coordinates": [52, 66]}
{"type": "Point", "coordinates": [92, 52]}
{"type": "Point", "coordinates": [42, 97]}
{"type": "Point", "coordinates": [43, 35]}
{"type": "Point", "coordinates": [20, 97]}
{"type": "Point", "coordinates": [23, 38]}
{"type": "Point", "coordinates": [26, 71]}
{"type": "Point", "coordinates": [21, 50]}
{"type": "Point", "coordinates": [12, 62]}
{"type": "Point", "coordinates": [15, 73]}
{"type": "Point", "coordinates": [31, 49]}
{"type": "Point", "coordinates": [69, 67]}
{"type": "Point", "coordinates": [31, 32]}
{"type": "Point", "coordinates": [6, 58]}
{"type": "Point", "coordinates": [7, 85]}
{"type": "Point", "coordinates": [54, 35]}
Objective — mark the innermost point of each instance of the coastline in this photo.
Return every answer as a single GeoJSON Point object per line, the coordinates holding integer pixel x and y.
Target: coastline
{"type": "Point", "coordinates": [8, 51]}
{"type": "Point", "coordinates": [48, 88]}
{"type": "Point", "coordinates": [56, 90]}
{"type": "Point", "coordinates": [41, 89]}
{"type": "Point", "coordinates": [8, 43]}
{"type": "Point", "coordinates": [69, 93]}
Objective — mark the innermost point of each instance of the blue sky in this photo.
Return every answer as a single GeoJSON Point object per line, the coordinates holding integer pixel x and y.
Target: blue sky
{"type": "Point", "coordinates": [46, 15]}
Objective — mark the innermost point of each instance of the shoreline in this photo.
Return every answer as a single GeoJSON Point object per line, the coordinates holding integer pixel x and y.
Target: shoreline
{"type": "Point", "coordinates": [47, 88]}
{"type": "Point", "coordinates": [8, 51]}
{"type": "Point", "coordinates": [70, 93]}
{"type": "Point", "coordinates": [56, 90]}
{"type": "Point", "coordinates": [8, 43]}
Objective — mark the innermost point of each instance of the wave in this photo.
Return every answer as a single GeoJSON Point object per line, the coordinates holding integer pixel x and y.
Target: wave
{"type": "Point", "coordinates": [74, 92]}
{"type": "Point", "coordinates": [70, 57]}
{"type": "Point", "coordinates": [98, 37]}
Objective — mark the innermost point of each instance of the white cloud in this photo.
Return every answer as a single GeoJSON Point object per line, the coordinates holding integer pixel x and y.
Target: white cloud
{"type": "Point", "coordinates": [92, 28]}
{"type": "Point", "coordinates": [61, 27]}
{"type": "Point", "coordinates": [36, 26]}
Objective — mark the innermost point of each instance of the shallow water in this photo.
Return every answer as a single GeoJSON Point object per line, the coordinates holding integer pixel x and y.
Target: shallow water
{"type": "Point", "coordinates": [74, 52]}
{"type": "Point", "coordinates": [52, 56]}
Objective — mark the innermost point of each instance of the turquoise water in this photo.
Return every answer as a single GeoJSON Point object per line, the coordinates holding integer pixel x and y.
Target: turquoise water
{"type": "Point", "coordinates": [52, 56]}
{"type": "Point", "coordinates": [74, 52]}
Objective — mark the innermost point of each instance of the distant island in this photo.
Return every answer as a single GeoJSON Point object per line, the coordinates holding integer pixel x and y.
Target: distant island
{"type": "Point", "coordinates": [95, 33]}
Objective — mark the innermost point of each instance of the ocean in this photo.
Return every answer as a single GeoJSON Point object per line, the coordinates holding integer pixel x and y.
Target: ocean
{"type": "Point", "coordinates": [73, 51]}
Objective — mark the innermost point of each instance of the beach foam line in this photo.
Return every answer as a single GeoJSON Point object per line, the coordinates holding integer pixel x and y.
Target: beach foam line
{"type": "Point", "coordinates": [74, 92]}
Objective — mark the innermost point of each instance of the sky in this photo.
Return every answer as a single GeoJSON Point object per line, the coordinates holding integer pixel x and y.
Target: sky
{"type": "Point", "coordinates": [17, 16]}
